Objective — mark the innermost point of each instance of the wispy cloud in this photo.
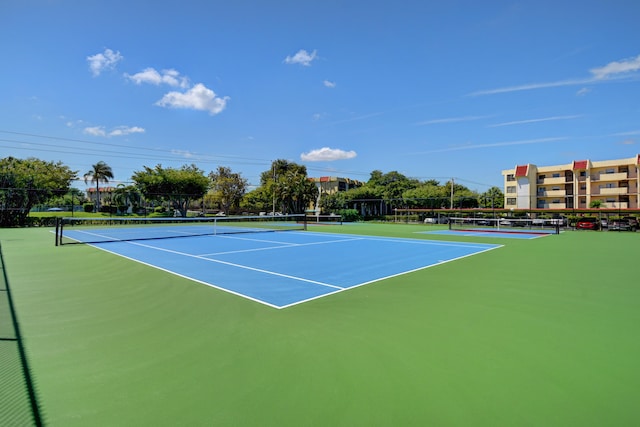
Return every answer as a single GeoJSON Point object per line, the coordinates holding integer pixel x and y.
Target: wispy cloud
{"type": "Point", "coordinates": [106, 60]}
{"type": "Point", "coordinates": [152, 76]}
{"type": "Point", "coordinates": [329, 84]}
{"type": "Point", "coordinates": [183, 153]}
{"type": "Point", "coordinates": [496, 144]}
{"type": "Point", "coordinates": [117, 131]}
{"type": "Point", "coordinates": [583, 91]}
{"type": "Point", "coordinates": [532, 86]}
{"type": "Point", "coordinates": [617, 67]}
{"type": "Point", "coordinates": [614, 70]}
{"type": "Point", "coordinates": [629, 133]}
{"type": "Point", "coordinates": [199, 97]}
{"type": "Point", "coordinates": [545, 119]}
{"type": "Point", "coordinates": [302, 57]}
{"type": "Point", "coordinates": [452, 120]}
{"type": "Point", "coordinates": [326, 154]}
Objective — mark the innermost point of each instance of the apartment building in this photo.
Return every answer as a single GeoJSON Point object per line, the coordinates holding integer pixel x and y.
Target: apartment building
{"type": "Point", "coordinates": [614, 183]}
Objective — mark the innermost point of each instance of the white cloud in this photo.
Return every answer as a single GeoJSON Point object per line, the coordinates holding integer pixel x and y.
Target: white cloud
{"type": "Point", "coordinates": [183, 153]}
{"type": "Point", "coordinates": [327, 154]}
{"type": "Point", "coordinates": [302, 57]}
{"type": "Point", "coordinates": [329, 84]}
{"type": "Point", "coordinates": [617, 67]}
{"type": "Point", "coordinates": [152, 76]}
{"type": "Point", "coordinates": [95, 131]}
{"type": "Point", "coordinates": [126, 130]}
{"type": "Point", "coordinates": [118, 131]}
{"type": "Point", "coordinates": [199, 97]}
{"type": "Point", "coordinates": [103, 61]}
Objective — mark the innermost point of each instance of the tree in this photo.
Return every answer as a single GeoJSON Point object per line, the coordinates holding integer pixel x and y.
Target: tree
{"type": "Point", "coordinates": [178, 187]}
{"type": "Point", "coordinates": [289, 186]}
{"type": "Point", "coordinates": [227, 187]}
{"type": "Point", "coordinates": [25, 183]}
{"type": "Point", "coordinates": [100, 172]}
{"type": "Point", "coordinates": [492, 198]}
{"type": "Point", "coordinates": [595, 204]}
{"type": "Point", "coordinates": [126, 196]}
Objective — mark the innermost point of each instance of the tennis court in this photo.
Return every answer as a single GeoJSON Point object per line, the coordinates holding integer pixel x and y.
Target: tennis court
{"type": "Point", "coordinates": [523, 335]}
{"type": "Point", "coordinates": [279, 269]}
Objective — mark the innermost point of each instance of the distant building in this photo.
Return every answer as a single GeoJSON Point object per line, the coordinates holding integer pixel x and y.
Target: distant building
{"type": "Point", "coordinates": [105, 194]}
{"type": "Point", "coordinates": [615, 183]}
{"type": "Point", "coordinates": [333, 184]}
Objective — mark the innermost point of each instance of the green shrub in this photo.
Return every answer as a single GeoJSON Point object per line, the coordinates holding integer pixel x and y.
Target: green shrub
{"type": "Point", "coordinates": [88, 207]}
{"type": "Point", "coordinates": [349, 215]}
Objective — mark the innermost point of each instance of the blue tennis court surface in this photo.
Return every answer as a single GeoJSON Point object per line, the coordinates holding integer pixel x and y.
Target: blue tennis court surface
{"type": "Point", "coordinates": [282, 269]}
{"type": "Point", "coordinates": [483, 233]}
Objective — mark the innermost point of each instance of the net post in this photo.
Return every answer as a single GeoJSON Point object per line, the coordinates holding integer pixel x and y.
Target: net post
{"type": "Point", "coordinates": [57, 229]}
{"type": "Point", "coordinates": [61, 231]}
{"type": "Point", "coordinates": [304, 222]}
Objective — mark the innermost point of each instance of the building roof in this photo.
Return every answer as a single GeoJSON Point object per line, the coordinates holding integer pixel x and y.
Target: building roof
{"type": "Point", "coordinates": [522, 170]}
{"type": "Point", "coordinates": [580, 165]}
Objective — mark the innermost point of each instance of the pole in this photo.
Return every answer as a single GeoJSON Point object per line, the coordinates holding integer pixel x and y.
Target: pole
{"type": "Point", "coordinates": [451, 207]}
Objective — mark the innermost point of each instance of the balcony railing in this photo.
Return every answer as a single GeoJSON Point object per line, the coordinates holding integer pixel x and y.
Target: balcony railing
{"type": "Point", "coordinates": [552, 193]}
{"type": "Point", "coordinates": [549, 181]}
{"type": "Point", "coordinates": [552, 205]}
{"type": "Point", "coordinates": [620, 176]}
{"type": "Point", "coordinates": [615, 205]}
{"type": "Point", "coordinates": [612, 191]}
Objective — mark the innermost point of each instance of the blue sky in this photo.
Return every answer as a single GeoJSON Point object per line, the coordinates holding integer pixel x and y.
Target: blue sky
{"type": "Point", "coordinates": [433, 90]}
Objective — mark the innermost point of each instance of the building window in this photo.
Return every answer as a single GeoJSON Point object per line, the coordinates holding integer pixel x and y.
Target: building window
{"type": "Point", "coordinates": [610, 170]}
{"type": "Point", "coordinates": [556, 175]}
{"type": "Point", "coordinates": [511, 200]}
{"type": "Point", "coordinates": [556, 201]}
{"type": "Point", "coordinates": [555, 188]}
{"type": "Point", "coordinates": [511, 189]}
{"type": "Point", "coordinates": [510, 177]}
{"type": "Point", "coordinates": [583, 173]}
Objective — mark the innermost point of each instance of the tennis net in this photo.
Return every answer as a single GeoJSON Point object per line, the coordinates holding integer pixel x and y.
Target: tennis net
{"type": "Point", "coordinates": [117, 229]}
{"type": "Point", "coordinates": [505, 225]}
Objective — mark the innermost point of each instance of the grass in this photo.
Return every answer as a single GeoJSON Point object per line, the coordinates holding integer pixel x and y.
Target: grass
{"type": "Point", "coordinates": [540, 332]}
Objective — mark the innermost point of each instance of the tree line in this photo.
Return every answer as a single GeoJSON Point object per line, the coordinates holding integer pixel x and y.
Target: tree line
{"type": "Point", "coordinates": [284, 188]}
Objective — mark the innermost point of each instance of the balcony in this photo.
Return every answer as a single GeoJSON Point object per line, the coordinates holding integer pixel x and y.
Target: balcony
{"type": "Point", "coordinates": [551, 205]}
{"type": "Point", "coordinates": [620, 176]}
{"type": "Point", "coordinates": [550, 181]}
{"type": "Point", "coordinates": [552, 193]}
{"type": "Point", "coordinates": [615, 205]}
{"type": "Point", "coordinates": [612, 191]}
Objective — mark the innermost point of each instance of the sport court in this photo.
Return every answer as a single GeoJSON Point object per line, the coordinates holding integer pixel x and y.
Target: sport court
{"type": "Point", "coordinates": [284, 268]}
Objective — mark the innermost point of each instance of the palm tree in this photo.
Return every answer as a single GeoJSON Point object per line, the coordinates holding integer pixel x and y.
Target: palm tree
{"type": "Point", "coordinates": [100, 172]}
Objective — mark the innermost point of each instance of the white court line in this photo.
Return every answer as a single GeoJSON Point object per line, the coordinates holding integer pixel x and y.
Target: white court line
{"type": "Point", "coordinates": [392, 275]}
{"type": "Point", "coordinates": [285, 245]}
{"type": "Point", "coordinates": [246, 267]}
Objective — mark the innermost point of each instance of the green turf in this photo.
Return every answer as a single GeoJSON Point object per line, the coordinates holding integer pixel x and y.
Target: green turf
{"type": "Point", "coordinates": [540, 332]}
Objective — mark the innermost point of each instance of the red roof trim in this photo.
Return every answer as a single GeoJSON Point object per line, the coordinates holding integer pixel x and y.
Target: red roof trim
{"type": "Point", "coordinates": [522, 170]}
{"type": "Point", "coordinates": [580, 164]}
